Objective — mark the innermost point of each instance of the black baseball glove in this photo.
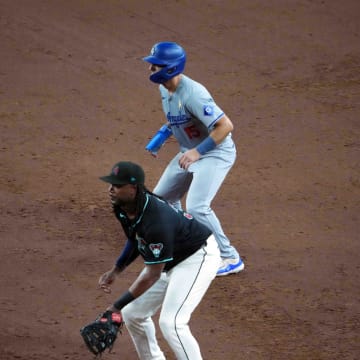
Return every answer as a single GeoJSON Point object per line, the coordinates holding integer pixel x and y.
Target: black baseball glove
{"type": "Point", "coordinates": [101, 333]}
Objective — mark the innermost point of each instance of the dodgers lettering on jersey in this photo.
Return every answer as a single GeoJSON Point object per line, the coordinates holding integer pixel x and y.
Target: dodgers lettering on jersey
{"type": "Point", "coordinates": [191, 112]}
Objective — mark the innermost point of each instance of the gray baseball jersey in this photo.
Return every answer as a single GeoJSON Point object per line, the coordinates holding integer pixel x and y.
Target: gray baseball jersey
{"type": "Point", "coordinates": [192, 113]}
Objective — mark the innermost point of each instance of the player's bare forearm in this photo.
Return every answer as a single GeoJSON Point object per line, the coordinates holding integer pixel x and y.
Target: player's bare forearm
{"type": "Point", "coordinates": [221, 129]}
{"type": "Point", "coordinates": [146, 279]}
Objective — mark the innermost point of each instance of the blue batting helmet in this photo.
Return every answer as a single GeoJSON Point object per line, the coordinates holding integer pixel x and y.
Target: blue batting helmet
{"type": "Point", "coordinates": [170, 56]}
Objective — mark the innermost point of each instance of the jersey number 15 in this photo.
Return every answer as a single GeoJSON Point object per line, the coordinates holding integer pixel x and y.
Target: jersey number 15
{"type": "Point", "coordinates": [192, 132]}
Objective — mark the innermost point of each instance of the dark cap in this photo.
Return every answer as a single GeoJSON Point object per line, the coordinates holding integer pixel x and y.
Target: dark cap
{"type": "Point", "coordinates": [125, 172]}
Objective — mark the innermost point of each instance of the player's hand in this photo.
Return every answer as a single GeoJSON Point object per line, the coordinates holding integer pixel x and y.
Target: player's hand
{"type": "Point", "coordinates": [188, 158]}
{"type": "Point", "coordinates": [106, 280]}
{"type": "Point", "coordinates": [153, 154]}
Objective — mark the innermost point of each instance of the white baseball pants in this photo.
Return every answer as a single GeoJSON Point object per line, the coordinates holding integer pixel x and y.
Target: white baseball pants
{"type": "Point", "coordinates": [178, 292]}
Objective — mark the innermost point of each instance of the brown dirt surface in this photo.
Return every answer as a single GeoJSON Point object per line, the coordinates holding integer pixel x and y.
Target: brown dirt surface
{"type": "Point", "coordinates": [75, 99]}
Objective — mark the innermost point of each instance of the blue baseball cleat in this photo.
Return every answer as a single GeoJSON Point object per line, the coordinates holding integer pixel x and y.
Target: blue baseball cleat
{"type": "Point", "coordinates": [230, 266]}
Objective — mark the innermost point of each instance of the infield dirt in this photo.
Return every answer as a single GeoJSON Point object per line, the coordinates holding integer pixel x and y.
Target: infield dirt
{"type": "Point", "coordinates": [76, 98]}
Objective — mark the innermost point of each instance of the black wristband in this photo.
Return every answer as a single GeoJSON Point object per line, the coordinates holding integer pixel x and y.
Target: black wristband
{"type": "Point", "coordinates": [123, 300]}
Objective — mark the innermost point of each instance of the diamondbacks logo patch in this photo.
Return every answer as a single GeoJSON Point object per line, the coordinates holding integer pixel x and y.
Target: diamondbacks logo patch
{"type": "Point", "coordinates": [156, 249]}
{"type": "Point", "coordinates": [208, 110]}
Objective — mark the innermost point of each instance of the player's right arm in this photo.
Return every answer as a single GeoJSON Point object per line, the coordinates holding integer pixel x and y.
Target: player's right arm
{"type": "Point", "coordinates": [127, 256]}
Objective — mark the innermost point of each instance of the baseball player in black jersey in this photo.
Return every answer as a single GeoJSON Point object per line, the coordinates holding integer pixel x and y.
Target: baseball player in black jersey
{"type": "Point", "coordinates": [181, 258]}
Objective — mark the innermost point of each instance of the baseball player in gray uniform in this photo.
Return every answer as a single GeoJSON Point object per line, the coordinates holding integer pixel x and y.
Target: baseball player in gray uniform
{"type": "Point", "coordinates": [207, 151]}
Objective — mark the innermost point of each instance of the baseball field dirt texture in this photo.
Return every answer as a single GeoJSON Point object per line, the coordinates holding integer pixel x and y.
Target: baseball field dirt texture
{"type": "Point", "coordinates": [75, 98]}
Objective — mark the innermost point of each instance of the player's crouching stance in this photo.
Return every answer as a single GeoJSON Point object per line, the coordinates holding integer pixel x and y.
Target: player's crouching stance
{"type": "Point", "coordinates": [181, 258]}
{"type": "Point", "coordinates": [207, 151]}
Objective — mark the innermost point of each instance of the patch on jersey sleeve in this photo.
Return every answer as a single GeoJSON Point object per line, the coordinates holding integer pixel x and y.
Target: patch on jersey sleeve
{"type": "Point", "coordinates": [208, 110]}
{"type": "Point", "coordinates": [156, 249]}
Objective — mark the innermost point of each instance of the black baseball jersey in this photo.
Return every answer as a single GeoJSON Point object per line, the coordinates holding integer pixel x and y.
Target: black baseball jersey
{"type": "Point", "coordinates": [161, 233]}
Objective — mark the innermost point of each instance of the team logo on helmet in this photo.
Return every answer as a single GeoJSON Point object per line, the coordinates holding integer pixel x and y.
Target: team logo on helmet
{"type": "Point", "coordinates": [170, 56]}
{"type": "Point", "coordinates": [156, 249]}
{"type": "Point", "coordinates": [116, 170]}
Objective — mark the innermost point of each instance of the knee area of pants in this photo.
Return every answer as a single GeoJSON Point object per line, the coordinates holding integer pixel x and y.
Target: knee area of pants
{"type": "Point", "coordinates": [169, 324]}
{"type": "Point", "coordinates": [166, 324]}
{"type": "Point", "coordinates": [198, 209]}
{"type": "Point", "coordinates": [127, 314]}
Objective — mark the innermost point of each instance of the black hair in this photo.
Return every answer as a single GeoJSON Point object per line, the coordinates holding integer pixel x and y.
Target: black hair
{"type": "Point", "coordinates": [140, 197]}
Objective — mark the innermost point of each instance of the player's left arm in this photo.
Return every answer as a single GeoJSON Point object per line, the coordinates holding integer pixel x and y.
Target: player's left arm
{"type": "Point", "coordinates": [221, 130]}
{"type": "Point", "coordinates": [147, 278]}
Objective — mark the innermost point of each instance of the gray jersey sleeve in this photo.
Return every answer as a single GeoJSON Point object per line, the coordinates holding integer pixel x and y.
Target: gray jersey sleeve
{"type": "Point", "coordinates": [202, 106]}
{"type": "Point", "coordinates": [191, 112]}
